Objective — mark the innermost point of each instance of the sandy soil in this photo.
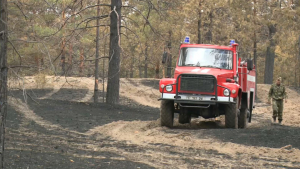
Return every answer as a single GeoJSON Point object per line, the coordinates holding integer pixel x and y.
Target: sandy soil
{"type": "Point", "coordinates": [58, 125]}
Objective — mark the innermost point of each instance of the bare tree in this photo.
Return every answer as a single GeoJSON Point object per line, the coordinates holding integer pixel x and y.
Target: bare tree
{"type": "Point", "coordinates": [113, 81]}
{"type": "Point", "coordinates": [199, 21]}
{"type": "Point", "coordinates": [270, 57]}
{"type": "Point", "coordinates": [255, 47]}
{"type": "Point", "coordinates": [96, 92]}
{"type": "Point", "coordinates": [3, 74]}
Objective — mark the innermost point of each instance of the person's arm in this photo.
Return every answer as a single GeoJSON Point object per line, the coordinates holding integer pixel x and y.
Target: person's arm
{"type": "Point", "coordinates": [270, 94]}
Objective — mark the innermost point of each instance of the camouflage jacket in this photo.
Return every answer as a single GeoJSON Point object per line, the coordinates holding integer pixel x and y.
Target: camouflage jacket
{"type": "Point", "coordinates": [277, 92]}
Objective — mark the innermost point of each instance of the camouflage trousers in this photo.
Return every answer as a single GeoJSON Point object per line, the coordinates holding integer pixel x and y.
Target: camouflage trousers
{"type": "Point", "coordinates": [277, 108]}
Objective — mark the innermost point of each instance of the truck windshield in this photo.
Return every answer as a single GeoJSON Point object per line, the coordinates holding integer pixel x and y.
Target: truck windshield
{"type": "Point", "coordinates": [206, 57]}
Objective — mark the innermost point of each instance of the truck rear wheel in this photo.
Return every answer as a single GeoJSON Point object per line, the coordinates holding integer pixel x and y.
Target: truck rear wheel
{"type": "Point", "coordinates": [167, 113]}
{"type": "Point", "coordinates": [184, 116]}
{"type": "Point", "coordinates": [243, 118]}
{"type": "Point", "coordinates": [231, 115]}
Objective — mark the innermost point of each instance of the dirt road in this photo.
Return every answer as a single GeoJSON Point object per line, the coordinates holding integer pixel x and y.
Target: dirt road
{"type": "Point", "coordinates": [60, 127]}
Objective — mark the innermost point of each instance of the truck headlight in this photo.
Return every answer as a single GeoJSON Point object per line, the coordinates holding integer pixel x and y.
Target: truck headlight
{"type": "Point", "coordinates": [226, 92]}
{"type": "Point", "coordinates": [169, 88]}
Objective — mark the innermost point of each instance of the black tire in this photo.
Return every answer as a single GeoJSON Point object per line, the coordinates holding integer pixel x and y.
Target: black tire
{"type": "Point", "coordinates": [231, 115]}
{"type": "Point", "coordinates": [184, 116]}
{"type": "Point", "coordinates": [167, 113]}
{"type": "Point", "coordinates": [243, 118]}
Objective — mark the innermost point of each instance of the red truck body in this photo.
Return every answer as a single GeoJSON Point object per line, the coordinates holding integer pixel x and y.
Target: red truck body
{"type": "Point", "coordinates": [209, 81]}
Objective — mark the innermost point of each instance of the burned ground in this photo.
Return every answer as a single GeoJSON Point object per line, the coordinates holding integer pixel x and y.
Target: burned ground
{"type": "Point", "coordinates": [58, 126]}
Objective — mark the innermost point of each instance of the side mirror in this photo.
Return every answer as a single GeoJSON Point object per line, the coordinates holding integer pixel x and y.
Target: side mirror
{"type": "Point", "coordinates": [249, 64]}
{"type": "Point", "coordinates": [164, 58]}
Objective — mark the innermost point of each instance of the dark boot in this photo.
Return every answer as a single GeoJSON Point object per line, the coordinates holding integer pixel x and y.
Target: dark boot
{"type": "Point", "coordinates": [280, 122]}
{"type": "Point", "coordinates": [274, 119]}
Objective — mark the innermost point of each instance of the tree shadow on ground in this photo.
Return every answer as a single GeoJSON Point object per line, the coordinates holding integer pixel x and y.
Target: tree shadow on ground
{"type": "Point", "coordinates": [25, 158]}
{"type": "Point", "coordinates": [82, 117]}
{"type": "Point", "coordinates": [31, 145]}
{"type": "Point", "coordinates": [274, 136]}
{"type": "Point", "coordinates": [41, 152]}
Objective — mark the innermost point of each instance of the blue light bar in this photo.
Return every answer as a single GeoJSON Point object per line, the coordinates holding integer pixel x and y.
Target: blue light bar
{"type": "Point", "coordinates": [232, 42]}
{"type": "Point", "coordinates": [187, 39]}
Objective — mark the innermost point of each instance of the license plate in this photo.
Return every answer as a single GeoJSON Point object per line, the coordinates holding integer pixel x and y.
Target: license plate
{"type": "Point", "coordinates": [194, 98]}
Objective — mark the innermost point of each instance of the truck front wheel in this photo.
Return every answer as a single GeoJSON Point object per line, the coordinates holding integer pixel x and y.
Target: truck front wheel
{"type": "Point", "coordinates": [231, 115]}
{"type": "Point", "coordinates": [167, 113]}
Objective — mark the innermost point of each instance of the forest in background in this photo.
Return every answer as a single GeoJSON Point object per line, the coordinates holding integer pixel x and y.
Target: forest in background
{"type": "Point", "coordinates": [113, 39]}
{"type": "Point", "coordinates": [59, 36]}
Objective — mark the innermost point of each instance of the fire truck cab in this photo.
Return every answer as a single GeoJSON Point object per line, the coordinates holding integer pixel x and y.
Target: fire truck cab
{"type": "Point", "coordinates": [209, 81]}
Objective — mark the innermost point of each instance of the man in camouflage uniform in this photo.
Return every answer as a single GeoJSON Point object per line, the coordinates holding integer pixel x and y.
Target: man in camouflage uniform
{"type": "Point", "coordinates": [277, 93]}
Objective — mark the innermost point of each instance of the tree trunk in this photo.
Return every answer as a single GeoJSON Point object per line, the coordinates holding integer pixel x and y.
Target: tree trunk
{"type": "Point", "coordinates": [199, 23]}
{"type": "Point", "coordinates": [63, 54]}
{"type": "Point", "coordinates": [70, 60]}
{"type": "Point", "coordinates": [81, 62]}
{"type": "Point", "coordinates": [131, 67]}
{"type": "Point", "coordinates": [169, 65]}
{"type": "Point", "coordinates": [140, 67]}
{"type": "Point", "coordinates": [113, 83]}
{"type": "Point", "coordinates": [157, 70]}
{"type": "Point", "coordinates": [71, 41]}
{"type": "Point", "coordinates": [146, 62]}
{"type": "Point", "coordinates": [103, 72]}
{"type": "Point", "coordinates": [255, 50]}
{"type": "Point", "coordinates": [269, 62]}
{"type": "Point", "coordinates": [199, 30]}
{"type": "Point", "coordinates": [96, 92]}
{"type": "Point", "coordinates": [3, 75]}
{"type": "Point", "coordinates": [169, 56]}
{"type": "Point", "coordinates": [63, 58]}
{"type": "Point", "coordinates": [208, 36]}
{"type": "Point", "coordinates": [255, 59]}
{"type": "Point", "coordinates": [298, 67]}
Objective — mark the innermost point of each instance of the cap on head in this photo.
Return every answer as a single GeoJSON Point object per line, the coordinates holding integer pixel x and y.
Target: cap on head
{"type": "Point", "coordinates": [279, 78]}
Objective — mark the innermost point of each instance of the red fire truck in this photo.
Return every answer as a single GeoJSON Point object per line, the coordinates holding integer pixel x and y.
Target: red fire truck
{"type": "Point", "coordinates": [209, 81]}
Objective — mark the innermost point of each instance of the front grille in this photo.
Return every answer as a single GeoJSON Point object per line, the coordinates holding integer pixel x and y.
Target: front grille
{"type": "Point", "coordinates": [197, 83]}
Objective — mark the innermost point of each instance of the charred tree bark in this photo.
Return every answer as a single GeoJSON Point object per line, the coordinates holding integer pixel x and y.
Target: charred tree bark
{"type": "Point", "coordinates": [132, 51]}
{"type": "Point", "coordinates": [255, 49]}
{"type": "Point", "coordinates": [113, 83]}
{"type": "Point", "coordinates": [81, 63]}
{"type": "Point", "coordinates": [131, 67]}
{"type": "Point", "coordinates": [3, 75]}
{"type": "Point", "coordinates": [298, 67]}
{"type": "Point", "coordinates": [255, 59]}
{"type": "Point", "coordinates": [71, 52]}
{"type": "Point", "coordinates": [199, 23]}
{"type": "Point", "coordinates": [70, 60]}
{"type": "Point", "coordinates": [63, 52]}
{"type": "Point", "coordinates": [208, 35]}
{"type": "Point", "coordinates": [210, 27]}
{"type": "Point", "coordinates": [169, 58]}
{"type": "Point", "coordinates": [146, 62]}
{"type": "Point", "coordinates": [96, 91]}
{"type": "Point", "coordinates": [140, 67]}
{"type": "Point", "coordinates": [169, 65]}
{"type": "Point", "coordinates": [157, 70]}
{"type": "Point", "coordinates": [63, 58]}
{"type": "Point", "coordinates": [269, 62]}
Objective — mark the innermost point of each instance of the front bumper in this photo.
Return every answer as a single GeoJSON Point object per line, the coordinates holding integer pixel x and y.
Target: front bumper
{"type": "Point", "coordinates": [196, 99]}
